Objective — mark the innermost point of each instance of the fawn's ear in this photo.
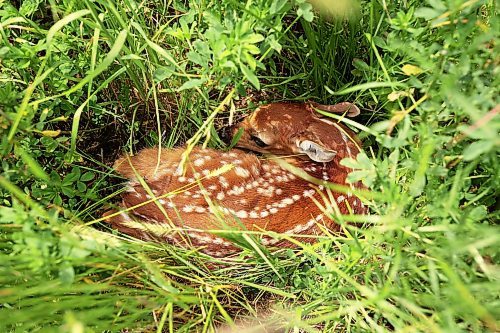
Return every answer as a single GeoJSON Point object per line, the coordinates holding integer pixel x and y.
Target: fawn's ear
{"type": "Point", "coordinates": [316, 152]}
{"type": "Point", "coordinates": [347, 108]}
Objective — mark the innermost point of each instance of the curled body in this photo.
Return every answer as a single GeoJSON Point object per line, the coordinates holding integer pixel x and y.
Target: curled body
{"type": "Point", "coordinates": [239, 190]}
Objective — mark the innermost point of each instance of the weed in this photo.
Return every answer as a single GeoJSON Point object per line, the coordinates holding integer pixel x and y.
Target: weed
{"type": "Point", "coordinates": [82, 81]}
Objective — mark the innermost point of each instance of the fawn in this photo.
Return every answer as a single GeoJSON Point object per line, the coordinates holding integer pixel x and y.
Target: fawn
{"type": "Point", "coordinates": [246, 192]}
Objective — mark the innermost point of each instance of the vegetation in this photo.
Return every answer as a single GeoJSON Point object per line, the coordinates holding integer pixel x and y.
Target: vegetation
{"type": "Point", "coordinates": [83, 81]}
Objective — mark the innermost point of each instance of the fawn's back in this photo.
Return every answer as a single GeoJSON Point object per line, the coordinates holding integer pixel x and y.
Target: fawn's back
{"type": "Point", "coordinates": [237, 189]}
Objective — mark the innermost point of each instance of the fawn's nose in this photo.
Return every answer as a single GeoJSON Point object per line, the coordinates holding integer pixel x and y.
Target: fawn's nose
{"type": "Point", "coordinates": [226, 134]}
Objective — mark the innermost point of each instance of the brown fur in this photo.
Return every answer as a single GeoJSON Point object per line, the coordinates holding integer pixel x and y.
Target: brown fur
{"type": "Point", "coordinates": [255, 194]}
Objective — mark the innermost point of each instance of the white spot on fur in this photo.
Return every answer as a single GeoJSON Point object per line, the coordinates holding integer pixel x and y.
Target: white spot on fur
{"type": "Point", "coordinates": [238, 190]}
{"type": "Point", "coordinates": [242, 172]}
{"type": "Point", "coordinates": [223, 181]}
{"type": "Point", "coordinates": [303, 227]}
{"type": "Point", "coordinates": [200, 209]}
{"type": "Point", "coordinates": [308, 193]}
{"type": "Point", "coordinates": [269, 241]}
{"type": "Point", "coordinates": [125, 216]}
{"type": "Point", "coordinates": [188, 208]}
{"type": "Point", "coordinates": [221, 241]}
{"type": "Point", "coordinates": [199, 162]}
{"type": "Point", "coordinates": [340, 199]}
{"type": "Point", "coordinates": [242, 214]}
{"type": "Point", "coordinates": [201, 239]}
{"type": "Point", "coordinates": [218, 241]}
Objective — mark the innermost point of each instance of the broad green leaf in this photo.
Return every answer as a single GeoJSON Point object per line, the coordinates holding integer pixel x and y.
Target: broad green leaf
{"type": "Point", "coordinates": [250, 76]}
{"type": "Point", "coordinates": [87, 176]}
{"type": "Point", "coordinates": [162, 73]}
{"type": "Point", "coordinates": [277, 5]}
{"type": "Point", "coordinates": [477, 148]}
{"type": "Point", "coordinates": [360, 64]}
{"type": "Point", "coordinates": [427, 13]}
{"type": "Point", "coordinates": [192, 84]}
{"type": "Point", "coordinates": [274, 43]}
{"type": "Point", "coordinates": [305, 11]}
{"type": "Point", "coordinates": [236, 138]}
{"type": "Point", "coordinates": [254, 38]}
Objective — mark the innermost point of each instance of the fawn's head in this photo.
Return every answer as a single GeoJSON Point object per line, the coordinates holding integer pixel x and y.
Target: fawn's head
{"type": "Point", "coordinates": [295, 128]}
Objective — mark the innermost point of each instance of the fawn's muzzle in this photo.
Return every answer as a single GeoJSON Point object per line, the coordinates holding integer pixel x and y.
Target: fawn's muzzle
{"type": "Point", "coordinates": [226, 134]}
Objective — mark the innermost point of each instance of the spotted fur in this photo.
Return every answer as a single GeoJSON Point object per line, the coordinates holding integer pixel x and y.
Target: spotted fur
{"type": "Point", "coordinates": [252, 194]}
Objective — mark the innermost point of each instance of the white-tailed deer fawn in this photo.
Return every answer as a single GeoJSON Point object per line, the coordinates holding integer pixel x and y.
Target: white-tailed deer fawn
{"type": "Point", "coordinates": [256, 194]}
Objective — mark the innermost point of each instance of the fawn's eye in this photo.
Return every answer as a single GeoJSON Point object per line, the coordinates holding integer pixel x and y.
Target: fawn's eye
{"type": "Point", "coordinates": [258, 141]}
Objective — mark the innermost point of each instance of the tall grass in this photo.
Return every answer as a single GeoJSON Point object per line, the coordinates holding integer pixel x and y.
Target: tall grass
{"type": "Point", "coordinates": [81, 82]}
